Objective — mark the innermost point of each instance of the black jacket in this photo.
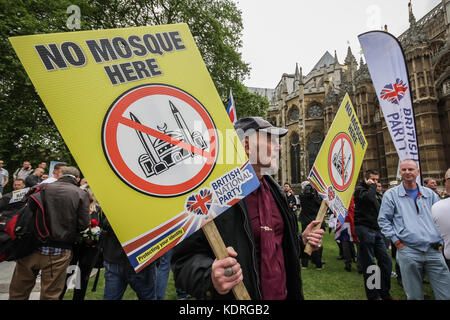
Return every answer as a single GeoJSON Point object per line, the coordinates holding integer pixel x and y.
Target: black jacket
{"type": "Point", "coordinates": [367, 205]}
{"type": "Point", "coordinates": [67, 211]}
{"type": "Point", "coordinates": [112, 249]}
{"type": "Point", "coordinates": [310, 202]}
{"type": "Point", "coordinates": [193, 258]}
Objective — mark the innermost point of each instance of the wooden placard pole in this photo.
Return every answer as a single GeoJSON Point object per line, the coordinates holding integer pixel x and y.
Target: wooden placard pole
{"type": "Point", "coordinates": [320, 215]}
{"type": "Point", "coordinates": [220, 251]}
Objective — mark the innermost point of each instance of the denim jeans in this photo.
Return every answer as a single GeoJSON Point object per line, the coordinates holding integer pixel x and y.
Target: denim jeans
{"type": "Point", "coordinates": [413, 263]}
{"type": "Point", "coordinates": [117, 277]}
{"type": "Point", "coordinates": [372, 245]}
{"type": "Point", "coordinates": [162, 274]}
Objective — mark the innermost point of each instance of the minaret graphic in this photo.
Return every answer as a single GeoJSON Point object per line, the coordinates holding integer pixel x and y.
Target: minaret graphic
{"type": "Point", "coordinates": [182, 125]}
{"type": "Point", "coordinates": [156, 165]}
{"type": "Point", "coordinates": [160, 155]}
{"type": "Point", "coordinates": [342, 167]}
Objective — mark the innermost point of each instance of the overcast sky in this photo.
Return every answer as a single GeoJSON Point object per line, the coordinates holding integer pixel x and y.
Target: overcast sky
{"type": "Point", "coordinates": [279, 33]}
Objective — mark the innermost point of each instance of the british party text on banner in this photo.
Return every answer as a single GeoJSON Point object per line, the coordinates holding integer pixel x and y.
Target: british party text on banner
{"type": "Point", "coordinates": [143, 120]}
{"type": "Point", "coordinates": [387, 67]}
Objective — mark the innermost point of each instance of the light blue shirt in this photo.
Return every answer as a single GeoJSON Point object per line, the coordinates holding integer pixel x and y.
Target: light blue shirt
{"type": "Point", "coordinates": [3, 175]}
{"type": "Point", "coordinates": [413, 193]}
{"type": "Point", "coordinates": [403, 218]}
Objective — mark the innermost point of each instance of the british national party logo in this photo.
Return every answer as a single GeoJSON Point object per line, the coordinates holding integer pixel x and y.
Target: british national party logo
{"type": "Point", "coordinates": [394, 92]}
{"type": "Point", "coordinates": [200, 202]}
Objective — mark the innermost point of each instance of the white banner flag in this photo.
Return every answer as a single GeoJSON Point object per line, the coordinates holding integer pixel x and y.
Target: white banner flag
{"type": "Point", "coordinates": [387, 67]}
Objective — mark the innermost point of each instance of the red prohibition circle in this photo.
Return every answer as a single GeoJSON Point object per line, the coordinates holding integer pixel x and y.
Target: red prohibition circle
{"type": "Point", "coordinates": [114, 117]}
{"type": "Point", "coordinates": [341, 136]}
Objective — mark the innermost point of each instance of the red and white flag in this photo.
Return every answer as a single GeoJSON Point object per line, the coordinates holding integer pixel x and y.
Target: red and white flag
{"type": "Point", "coordinates": [231, 109]}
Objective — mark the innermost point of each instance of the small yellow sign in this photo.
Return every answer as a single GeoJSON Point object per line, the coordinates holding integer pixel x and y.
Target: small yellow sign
{"type": "Point", "coordinates": [159, 246]}
{"type": "Point", "coordinates": [142, 118]}
{"type": "Point", "coordinates": [339, 160]}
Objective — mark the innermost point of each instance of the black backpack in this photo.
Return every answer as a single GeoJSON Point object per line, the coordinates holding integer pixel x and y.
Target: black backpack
{"type": "Point", "coordinates": [23, 229]}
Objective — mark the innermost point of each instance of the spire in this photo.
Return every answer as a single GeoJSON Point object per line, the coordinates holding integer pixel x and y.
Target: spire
{"type": "Point", "coordinates": [362, 75]}
{"type": "Point", "coordinates": [414, 35]}
{"type": "Point", "coordinates": [301, 76]}
{"type": "Point", "coordinates": [412, 19]}
{"type": "Point", "coordinates": [297, 73]}
{"type": "Point", "coordinates": [349, 52]}
{"type": "Point", "coordinates": [336, 61]}
{"type": "Point", "coordinates": [283, 84]}
{"type": "Point", "coordinates": [350, 59]}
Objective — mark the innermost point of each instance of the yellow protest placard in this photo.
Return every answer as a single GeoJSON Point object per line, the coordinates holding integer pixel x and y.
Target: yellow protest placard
{"type": "Point", "coordinates": [336, 168]}
{"type": "Point", "coordinates": [142, 118]}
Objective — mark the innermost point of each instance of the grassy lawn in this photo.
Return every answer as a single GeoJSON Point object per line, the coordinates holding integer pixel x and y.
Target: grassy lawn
{"type": "Point", "coordinates": [331, 283]}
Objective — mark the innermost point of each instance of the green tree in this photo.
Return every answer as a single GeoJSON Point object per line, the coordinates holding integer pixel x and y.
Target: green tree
{"type": "Point", "coordinates": [248, 103]}
{"type": "Point", "coordinates": [27, 131]}
{"type": "Point", "coordinates": [216, 27]}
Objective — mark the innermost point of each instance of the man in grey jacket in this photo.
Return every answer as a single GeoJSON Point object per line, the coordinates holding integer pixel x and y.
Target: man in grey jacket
{"type": "Point", "coordinates": [405, 217]}
{"type": "Point", "coordinates": [67, 213]}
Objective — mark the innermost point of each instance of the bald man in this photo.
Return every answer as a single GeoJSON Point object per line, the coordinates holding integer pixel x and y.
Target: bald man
{"type": "Point", "coordinates": [405, 217]}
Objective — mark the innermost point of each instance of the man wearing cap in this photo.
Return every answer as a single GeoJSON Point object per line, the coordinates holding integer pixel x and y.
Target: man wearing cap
{"type": "Point", "coordinates": [261, 233]}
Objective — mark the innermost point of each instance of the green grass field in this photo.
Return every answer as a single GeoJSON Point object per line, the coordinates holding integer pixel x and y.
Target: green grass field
{"type": "Point", "coordinates": [331, 283]}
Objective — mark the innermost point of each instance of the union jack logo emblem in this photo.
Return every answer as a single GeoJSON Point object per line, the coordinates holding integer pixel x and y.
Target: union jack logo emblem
{"type": "Point", "coordinates": [199, 203]}
{"type": "Point", "coordinates": [394, 92]}
{"type": "Point", "coordinates": [331, 193]}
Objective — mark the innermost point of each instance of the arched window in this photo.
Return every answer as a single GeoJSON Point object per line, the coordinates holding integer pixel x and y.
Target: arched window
{"type": "Point", "coordinates": [293, 114]}
{"type": "Point", "coordinates": [314, 144]}
{"type": "Point", "coordinates": [295, 158]}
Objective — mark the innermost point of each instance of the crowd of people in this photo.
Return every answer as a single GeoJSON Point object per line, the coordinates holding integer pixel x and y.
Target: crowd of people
{"type": "Point", "coordinates": [265, 243]}
{"type": "Point", "coordinates": [410, 220]}
{"type": "Point", "coordinates": [81, 239]}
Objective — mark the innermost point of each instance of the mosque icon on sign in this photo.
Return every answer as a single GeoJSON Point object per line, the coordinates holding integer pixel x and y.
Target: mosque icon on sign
{"type": "Point", "coordinates": [160, 155]}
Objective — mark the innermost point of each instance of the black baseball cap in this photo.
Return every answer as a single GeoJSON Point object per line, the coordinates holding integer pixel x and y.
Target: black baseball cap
{"type": "Point", "coordinates": [245, 126]}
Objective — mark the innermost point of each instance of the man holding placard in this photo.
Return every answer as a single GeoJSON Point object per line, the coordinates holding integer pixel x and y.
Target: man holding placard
{"type": "Point", "coordinates": [151, 139]}
{"type": "Point", "coordinates": [336, 168]}
{"type": "Point", "coordinates": [261, 232]}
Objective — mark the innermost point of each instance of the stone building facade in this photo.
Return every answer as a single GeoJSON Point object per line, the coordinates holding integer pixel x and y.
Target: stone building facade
{"type": "Point", "coordinates": [306, 105]}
